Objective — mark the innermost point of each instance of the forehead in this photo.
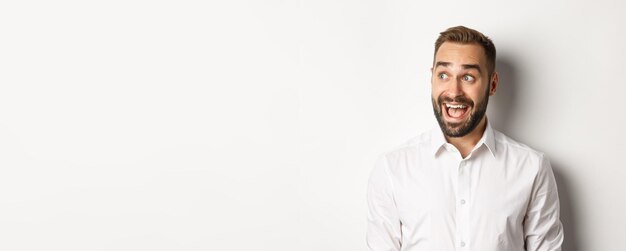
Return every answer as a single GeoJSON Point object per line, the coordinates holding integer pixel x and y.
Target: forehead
{"type": "Point", "coordinates": [458, 54]}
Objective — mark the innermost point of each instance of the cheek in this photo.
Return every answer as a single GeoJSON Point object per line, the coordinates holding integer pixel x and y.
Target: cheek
{"type": "Point", "coordinates": [478, 98]}
{"type": "Point", "coordinates": [478, 94]}
{"type": "Point", "coordinates": [435, 92]}
{"type": "Point", "coordinates": [434, 96]}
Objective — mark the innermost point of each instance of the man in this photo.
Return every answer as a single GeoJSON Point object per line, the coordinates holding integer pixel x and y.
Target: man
{"type": "Point", "coordinates": [466, 186]}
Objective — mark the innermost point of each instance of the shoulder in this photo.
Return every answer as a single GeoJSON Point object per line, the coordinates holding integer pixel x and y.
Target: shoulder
{"type": "Point", "coordinates": [417, 143]}
{"type": "Point", "coordinates": [520, 153]}
{"type": "Point", "coordinates": [513, 145]}
{"type": "Point", "coordinates": [405, 155]}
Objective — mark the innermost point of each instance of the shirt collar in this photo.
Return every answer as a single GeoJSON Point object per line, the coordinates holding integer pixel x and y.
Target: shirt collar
{"type": "Point", "coordinates": [438, 140]}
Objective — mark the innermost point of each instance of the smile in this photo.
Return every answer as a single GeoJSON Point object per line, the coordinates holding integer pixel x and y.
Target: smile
{"type": "Point", "coordinates": [456, 112]}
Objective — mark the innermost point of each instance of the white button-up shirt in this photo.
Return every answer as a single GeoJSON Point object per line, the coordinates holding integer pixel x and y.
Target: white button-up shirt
{"type": "Point", "coordinates": [425, 196]}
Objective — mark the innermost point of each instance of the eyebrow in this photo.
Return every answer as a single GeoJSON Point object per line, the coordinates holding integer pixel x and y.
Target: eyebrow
{"type": "Point", "coordinates": [465, 66]}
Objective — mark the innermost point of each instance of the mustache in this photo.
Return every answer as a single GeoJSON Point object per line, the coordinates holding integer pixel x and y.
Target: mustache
{"type": "Point", "coordinates": [458, 99]}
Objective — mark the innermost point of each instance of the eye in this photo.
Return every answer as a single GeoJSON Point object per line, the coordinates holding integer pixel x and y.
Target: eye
{"type": "Point", "coordinates": [443, 76]}
{"type": "Point", "coordinates": [468, 78]}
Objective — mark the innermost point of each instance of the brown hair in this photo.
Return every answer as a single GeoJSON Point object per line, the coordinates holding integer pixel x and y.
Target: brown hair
{"type": "Point", "coordinates": [464, 35]}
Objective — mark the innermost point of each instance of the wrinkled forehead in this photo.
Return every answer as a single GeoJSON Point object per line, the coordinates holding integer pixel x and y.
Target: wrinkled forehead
{"type": "Point", "coordinates": [453, 54]}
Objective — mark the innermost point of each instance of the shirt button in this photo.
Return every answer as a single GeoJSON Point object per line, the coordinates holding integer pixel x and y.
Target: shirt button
{"type": "Point", "coordinates": [462, 244]}
{"type": "Point", "coordinates": [462, 202]}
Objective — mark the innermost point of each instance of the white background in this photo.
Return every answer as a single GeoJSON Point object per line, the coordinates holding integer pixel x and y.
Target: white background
{"type": "Point", "coordinates": [253, 125]}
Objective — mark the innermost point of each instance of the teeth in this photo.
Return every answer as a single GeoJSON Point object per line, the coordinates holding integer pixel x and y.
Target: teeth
{"type": "Point", "coordinates": [455, 106]}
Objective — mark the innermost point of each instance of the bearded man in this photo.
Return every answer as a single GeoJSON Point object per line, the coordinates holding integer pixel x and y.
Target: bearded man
{"type": "Point", "coordinates": [463, 186]}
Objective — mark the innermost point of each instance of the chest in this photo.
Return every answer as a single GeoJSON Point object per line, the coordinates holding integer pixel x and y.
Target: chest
{"type": "Point", "coordinates": [488, 196]}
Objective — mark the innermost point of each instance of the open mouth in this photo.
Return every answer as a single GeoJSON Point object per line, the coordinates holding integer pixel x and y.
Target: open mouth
{"type": "Point", "coordinates": [455, 112]}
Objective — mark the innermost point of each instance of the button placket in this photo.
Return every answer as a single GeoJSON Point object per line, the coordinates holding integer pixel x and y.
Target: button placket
{"type": "Point", "coordinates": [463, 208]}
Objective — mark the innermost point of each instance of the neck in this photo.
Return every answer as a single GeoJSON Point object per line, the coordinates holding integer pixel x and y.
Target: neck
{"type": "Point", "coordinates": [466, 143]}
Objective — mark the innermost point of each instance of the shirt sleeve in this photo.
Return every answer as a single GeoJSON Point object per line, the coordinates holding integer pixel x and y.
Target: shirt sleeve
{"type": "Point", "coordinates": [383, 221]}
{"type": "Point", "coordinates": [543, 230]}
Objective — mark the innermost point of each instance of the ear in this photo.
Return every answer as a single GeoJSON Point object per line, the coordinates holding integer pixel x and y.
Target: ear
{"type": "Point", "coordinates": [493, 83]}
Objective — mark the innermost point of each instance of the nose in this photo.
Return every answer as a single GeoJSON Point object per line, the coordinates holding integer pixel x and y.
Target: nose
{"type": "Point", "coordinates": [455, 88]}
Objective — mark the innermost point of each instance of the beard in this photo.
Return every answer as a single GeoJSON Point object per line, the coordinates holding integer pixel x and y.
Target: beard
{"type": "Point", "coordinates": [462, 128]}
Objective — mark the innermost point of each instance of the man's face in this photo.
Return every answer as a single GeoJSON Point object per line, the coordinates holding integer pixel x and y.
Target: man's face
{"type": "Point", "coordinates": [461, 87]}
